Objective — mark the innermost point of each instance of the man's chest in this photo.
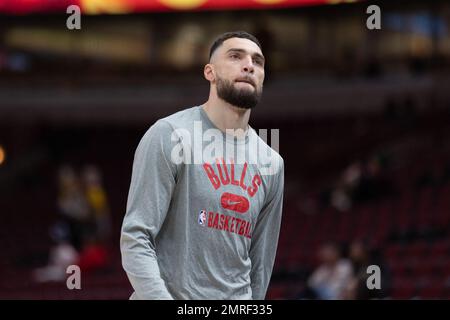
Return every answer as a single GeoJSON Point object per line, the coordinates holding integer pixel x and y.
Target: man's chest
{"type": "Point", "coordinates": [226, 195]}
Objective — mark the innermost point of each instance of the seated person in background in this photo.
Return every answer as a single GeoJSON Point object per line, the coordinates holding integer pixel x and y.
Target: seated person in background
{"type": "Point", "coordinates": [361, 258]}
{"type": "Point", "coordinates": [331, 277]}
{"type": "Point", "coordinates": [61, 255]}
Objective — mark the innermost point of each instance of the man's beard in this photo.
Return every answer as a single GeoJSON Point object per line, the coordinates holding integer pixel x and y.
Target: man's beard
{"type": "Point", "coordinates": [240, 98]}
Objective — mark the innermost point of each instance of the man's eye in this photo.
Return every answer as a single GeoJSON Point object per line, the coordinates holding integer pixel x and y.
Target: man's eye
{"type": "Point", "coordinates": [234, 56]}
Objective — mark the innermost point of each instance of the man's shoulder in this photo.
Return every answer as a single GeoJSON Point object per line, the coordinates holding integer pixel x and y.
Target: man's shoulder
{"type": "Point", "coordinates": [165, 126]}
{"type": "Point", "coordinates": [267, 154]}
{"type": "Point", "coordinates": [182, 118]}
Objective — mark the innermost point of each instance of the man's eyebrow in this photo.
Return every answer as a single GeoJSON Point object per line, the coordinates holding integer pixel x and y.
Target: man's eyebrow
{"type": "Point", "coordinates": [256, 54]}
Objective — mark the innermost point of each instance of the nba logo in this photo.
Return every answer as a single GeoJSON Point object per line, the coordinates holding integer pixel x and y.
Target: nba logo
{"type": "Point", "coordinates": [202, 218]}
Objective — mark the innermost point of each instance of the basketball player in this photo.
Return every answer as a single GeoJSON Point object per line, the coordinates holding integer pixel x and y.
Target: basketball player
{"type": "Point", "coordinates": [206, 230]}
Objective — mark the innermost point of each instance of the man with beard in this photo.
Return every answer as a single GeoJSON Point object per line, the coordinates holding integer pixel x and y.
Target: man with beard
{"type": "Point", "coordinates": [207, 230]}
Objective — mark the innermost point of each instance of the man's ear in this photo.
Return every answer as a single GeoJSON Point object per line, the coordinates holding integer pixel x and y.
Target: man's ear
{"type": "Point", "coordinates": [209, 73]}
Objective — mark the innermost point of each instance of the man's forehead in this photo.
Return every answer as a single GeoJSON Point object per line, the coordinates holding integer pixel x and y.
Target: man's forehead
{"type": "Point", "coordinates": [241, 43]}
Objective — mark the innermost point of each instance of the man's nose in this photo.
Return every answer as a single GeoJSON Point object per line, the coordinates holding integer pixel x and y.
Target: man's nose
{"type": "Point", "coordinates": [248, 66]}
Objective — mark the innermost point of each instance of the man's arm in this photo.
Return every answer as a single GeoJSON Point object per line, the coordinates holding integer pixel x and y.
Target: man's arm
{"type": "Point", "coordinates": [265, 238]}
{"type": "Point", "coordinates": [152, 184]}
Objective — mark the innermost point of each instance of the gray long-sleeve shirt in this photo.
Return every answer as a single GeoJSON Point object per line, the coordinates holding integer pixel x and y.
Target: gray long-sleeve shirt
{"type": "Point", "coordinates": [205, 227]}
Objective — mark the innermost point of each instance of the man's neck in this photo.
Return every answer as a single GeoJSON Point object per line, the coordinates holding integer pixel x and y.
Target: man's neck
{"type": "Point", "coordinates": [226, 116]}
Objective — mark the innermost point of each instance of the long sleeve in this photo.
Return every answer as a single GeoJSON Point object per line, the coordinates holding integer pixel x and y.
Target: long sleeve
{"type": "Point", "coordinates": [152, 184]}
{"type": "Point", "coordinates": [265, 238]}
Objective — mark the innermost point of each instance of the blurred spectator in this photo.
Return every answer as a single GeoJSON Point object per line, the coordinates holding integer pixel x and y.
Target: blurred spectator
{"type": "Point", "coordinates": [62, 255]}
{"type": "Point", "coordinates": [93, 256]}
{"type": "Point", "coordinates": [341, 196]}
{"type": "Point", "coordinates": [373, 183]}
{"type": "Point", "coordinates": [73, 206]}
{"type": "Point", "coordinates": [360, 183]}
{"type": "Point", "coordinates": [361, 258]}
{"type": "Point", "coordinates": [332, 276]}
{"type": "Point", "coordinates": [98, 202]}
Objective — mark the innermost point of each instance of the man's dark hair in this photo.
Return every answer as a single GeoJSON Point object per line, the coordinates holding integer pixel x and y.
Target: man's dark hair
{"type": "Point", "coordinates": [234, 34]}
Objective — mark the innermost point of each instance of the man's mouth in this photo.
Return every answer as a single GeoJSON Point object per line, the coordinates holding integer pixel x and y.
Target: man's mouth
{"type": "Point", "coordinates": [246, 81]}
